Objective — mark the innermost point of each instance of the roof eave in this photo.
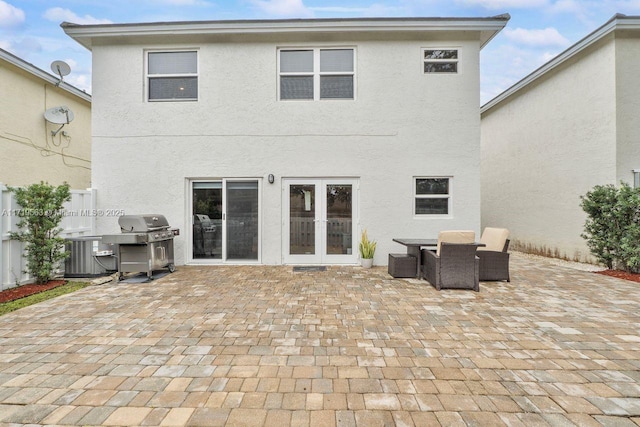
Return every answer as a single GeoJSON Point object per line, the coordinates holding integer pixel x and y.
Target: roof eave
{"type": "Point", "coordinates": [617, 22]}
{"type": "Point", "coordinates": [488, 27]}
{"type": "Point", "coordinates": [32, 69]}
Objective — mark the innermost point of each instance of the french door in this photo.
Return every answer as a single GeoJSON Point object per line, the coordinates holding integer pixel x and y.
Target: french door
{"type": "Point", "coordinates": [225, 222]}
{"type": "Point", "coordinates": [320, 221]}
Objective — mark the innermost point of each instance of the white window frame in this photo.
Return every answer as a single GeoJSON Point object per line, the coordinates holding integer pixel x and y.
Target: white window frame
{"type": "Point", "coordinates": [316, 74]}
{"type": "Point", "coordinates": [441, 61]}
{"type": "Point", "coordinates": [148, 76]}
{"type": "Point", "coordinates": [417, 196]}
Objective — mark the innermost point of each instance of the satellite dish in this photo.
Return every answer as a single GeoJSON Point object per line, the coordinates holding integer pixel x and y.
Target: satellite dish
{"type": "Point", "coordinates": [61, 68]}
{"type": "Point", "coordinates": [60, 116]}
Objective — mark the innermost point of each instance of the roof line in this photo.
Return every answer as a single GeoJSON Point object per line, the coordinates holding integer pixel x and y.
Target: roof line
{"type": "Point", "coordinates": [618, 21]}
{"type": "Point", "coordinates": [66, 24]}
{"type": "Point", "coordinates": [32, 69]}
{"type": "Point", "coordinates": [84, 33]}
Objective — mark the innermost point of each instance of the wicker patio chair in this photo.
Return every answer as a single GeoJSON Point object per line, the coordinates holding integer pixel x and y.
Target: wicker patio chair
{"type": "Point", "coordinates": [455, 236]}
{"type": "Point", "coordinates": [456, 267]}
{"type": "Point", "coordinates": [494, 258]}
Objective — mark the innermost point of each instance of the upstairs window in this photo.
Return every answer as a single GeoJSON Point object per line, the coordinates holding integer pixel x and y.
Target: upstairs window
{"type": "Point", "coordinates": [314, 74]}
{"type": "Point", "coordinates": [432, 196]}
{"type": "Point", "coordinates": [172, 76]}
{"type": "Point", "coordinates": [440, 61]}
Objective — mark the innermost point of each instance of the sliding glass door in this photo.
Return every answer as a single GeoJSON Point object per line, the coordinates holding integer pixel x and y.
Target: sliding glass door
{"type": "Point", "coordinates": [225, 220]}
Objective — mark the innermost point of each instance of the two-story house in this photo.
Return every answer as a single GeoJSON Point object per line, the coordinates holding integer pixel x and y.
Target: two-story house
{"type": "Point", "coordinates": [278, 141]}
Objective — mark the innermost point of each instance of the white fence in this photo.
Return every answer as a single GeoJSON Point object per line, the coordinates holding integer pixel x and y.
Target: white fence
{"type": "Point", "coordinates": [79, 220]}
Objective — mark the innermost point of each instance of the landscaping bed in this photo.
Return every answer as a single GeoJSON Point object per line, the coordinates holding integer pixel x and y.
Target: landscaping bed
{"type": "Point", "coordinates": [23, 296]}
{"type": "Point", "coordinates": [634, 277]}
{"type": "Point", "coordinates": [26, 290]}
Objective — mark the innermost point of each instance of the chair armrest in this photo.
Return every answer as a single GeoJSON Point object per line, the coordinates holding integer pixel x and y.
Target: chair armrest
{"type": "Point", "coordinates": [494, 265]}
{"type": "Point", "coordinates": [430, 266]}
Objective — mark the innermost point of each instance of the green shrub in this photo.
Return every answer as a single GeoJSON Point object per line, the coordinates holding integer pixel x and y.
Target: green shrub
{"type": "Point", "coordinates": [40, 216]}
{"type": "Point", "coordinates": [612, 228]}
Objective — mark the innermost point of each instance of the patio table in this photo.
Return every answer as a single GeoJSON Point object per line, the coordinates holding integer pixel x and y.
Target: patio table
{"type": "Point", "coordinates": [414, 246]}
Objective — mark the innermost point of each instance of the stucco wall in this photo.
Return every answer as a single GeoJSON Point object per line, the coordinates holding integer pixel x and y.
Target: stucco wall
{"type": "Point", "coordinates": [628, 108]}
{"type": "Point", "coordinates": [402, 124]}
{"type": "Point", "coordinates": [545, 146]}
{"type": "Point", "coordinates": [28, 152]}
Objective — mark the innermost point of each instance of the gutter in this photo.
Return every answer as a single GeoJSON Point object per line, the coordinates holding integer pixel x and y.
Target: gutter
{"type": "Point", "coordinates": [32, 69]}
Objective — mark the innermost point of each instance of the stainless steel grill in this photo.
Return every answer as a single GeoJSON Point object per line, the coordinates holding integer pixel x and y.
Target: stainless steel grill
{"type": "Point", "coordinates": [145, 244]}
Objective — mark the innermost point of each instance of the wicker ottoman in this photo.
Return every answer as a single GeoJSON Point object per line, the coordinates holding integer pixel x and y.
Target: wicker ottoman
{"type": "Point", "coordinates": [402, 265]}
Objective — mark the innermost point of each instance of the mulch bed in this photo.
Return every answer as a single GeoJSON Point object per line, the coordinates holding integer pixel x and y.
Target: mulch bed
{"type": "Point", "coordinates": [634, 277]}
{"type": "Point", "coordinates": [26, 290]}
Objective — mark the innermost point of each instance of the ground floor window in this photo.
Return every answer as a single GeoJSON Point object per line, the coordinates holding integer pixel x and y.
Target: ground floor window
{"type": "Point", "coordinates": [432, 196]}
{"type": "Point", "coordinates": [225, 219]}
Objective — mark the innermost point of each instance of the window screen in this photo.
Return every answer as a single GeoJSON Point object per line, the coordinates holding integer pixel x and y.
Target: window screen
{"type": "Point", "coordinates": [315, 74]}
{"type": "Point", "coordinates": [296, 61]}
{"type": "Point", "coordinates": [432, 196]}
{"type": "Point", "coordinates": [440, 61]}
{"type": "Point", "coordinates": [172, 76]}
{"type": "Point", "coordinates": [332, 60]}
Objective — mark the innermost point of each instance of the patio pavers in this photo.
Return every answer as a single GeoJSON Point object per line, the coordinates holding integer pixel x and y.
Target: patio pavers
{"type": "Point", "coordinates": [266, 346]}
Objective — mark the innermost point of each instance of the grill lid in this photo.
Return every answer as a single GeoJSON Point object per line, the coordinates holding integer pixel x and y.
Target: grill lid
{"type": "Point", "coordinates": [142, 223]}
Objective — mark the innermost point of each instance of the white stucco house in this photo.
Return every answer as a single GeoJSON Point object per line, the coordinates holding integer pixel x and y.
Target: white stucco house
{"type": "Point", "coordinates": [279, 141]}
{"type": "Point", "coordinates": [566, 127]}
{"type": "Point", "coordinates": [29, 152]}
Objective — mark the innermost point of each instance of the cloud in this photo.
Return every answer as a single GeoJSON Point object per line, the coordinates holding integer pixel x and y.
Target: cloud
{"type": "Point", "coordinates": [545, 37]}
{"type": "Point", "coordinates": [372, 10]}
{"type": "Point", "coordinates": [505, 4]}
{"type": "Point", "coordinates": [287, 8]}
{"type": "Point", "coordinates": [10, 16]}
{"type": "Point", "coordinates": [186, 2]}
{"type": "Point", "coordinates": [80, 80]}
{"type": "Point", "coordinates": [502, 65]}
{"type": "Point", "coordinates": [58, 14]}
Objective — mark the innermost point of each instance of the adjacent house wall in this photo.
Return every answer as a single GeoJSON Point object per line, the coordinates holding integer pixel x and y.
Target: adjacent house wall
{"type": "Point", "coordinates": [628, 106]}
{"type": "Point", "coordinates": [402, 124]}
{"type": "Point", "coordinates": [548, 144]}
{"type": "Point", "coordinates": [29, 153]}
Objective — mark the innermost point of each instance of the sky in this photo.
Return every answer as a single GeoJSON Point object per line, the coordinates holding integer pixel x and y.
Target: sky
{"type": "Point", "coordinates": [537, 32]}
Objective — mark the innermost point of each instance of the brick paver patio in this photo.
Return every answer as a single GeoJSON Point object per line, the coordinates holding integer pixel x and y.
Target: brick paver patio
{"type": "Point", "coordinates": [266, 346]}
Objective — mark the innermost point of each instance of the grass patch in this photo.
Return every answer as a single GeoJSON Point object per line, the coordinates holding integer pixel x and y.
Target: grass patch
{"type": "Point", "coordinates": [10, 306]}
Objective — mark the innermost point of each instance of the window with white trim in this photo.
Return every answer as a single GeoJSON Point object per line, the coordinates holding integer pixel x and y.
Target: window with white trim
{"type": "Point", "coordinates": [440, 61]}
{"type": "Point", "coordinates": [432, 196]}
{"type": "Point", "coordinates": [314, 74]}
{"type": "Point", "coordinates": [172, 76]}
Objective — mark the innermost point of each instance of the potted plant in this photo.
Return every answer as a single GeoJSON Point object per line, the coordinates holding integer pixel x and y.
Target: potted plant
{"type": "Point", "coordinates": [367, 250]}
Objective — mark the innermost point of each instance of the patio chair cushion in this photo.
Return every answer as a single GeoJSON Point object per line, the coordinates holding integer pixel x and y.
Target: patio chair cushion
{"type": "Point", "coordinates": [455, 236]}
{"type": "Point", "coordinates": [494, 239]}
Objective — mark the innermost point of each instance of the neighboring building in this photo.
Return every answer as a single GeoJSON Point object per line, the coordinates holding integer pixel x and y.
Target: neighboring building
{"type": "Point", "coordinates": [29, 151]}
{"type": "Point", "coordinates": [570, 125]}
{"type": "Point", "coordinates": [278, 141]}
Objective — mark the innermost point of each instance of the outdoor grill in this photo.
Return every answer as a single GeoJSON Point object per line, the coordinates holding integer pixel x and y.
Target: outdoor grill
{"type": "Point", "coordinates": [145, 244]}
